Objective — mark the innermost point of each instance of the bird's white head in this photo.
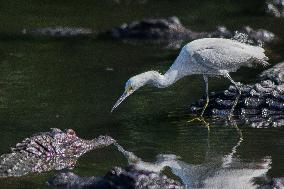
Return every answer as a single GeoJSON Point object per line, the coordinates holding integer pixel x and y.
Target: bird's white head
{"type": "Point", "coordinates": [133, 84]}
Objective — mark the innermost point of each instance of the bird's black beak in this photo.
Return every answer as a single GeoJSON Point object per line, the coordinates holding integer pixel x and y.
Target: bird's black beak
{"type": "Point", "coordinates": [122, 98]}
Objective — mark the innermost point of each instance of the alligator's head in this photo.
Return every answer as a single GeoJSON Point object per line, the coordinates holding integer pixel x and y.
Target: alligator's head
{"type": "Point", "coordinates": [102, 141]}
{"type": "Point", "coordinates": [45, 151]}
{"type": "Point", "coordinates": [69, 144]}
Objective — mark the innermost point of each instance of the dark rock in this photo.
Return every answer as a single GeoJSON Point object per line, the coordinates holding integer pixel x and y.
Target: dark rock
{"type": "Point", "coordinates": [260, 104]}
{"type": "Point", "coordinates": [117, 178]}
{"type": "Point", "coordinates": [54, 150]}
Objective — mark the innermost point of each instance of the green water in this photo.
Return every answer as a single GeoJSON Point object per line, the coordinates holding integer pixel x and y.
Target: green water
{"type": "Point", "coordinates": [67, 83]}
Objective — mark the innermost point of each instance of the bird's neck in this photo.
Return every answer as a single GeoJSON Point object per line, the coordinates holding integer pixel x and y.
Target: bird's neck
{"type": "Point", "coordinates": [162, 81]}
{"type": "Point", "coordinates": [178, 70]}
{"type": "Point", "coordinates": [174, 73]}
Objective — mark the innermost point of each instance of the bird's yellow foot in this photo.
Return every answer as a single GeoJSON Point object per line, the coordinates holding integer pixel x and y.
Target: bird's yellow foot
{"type": "Point", "coordinates": [202, 120]}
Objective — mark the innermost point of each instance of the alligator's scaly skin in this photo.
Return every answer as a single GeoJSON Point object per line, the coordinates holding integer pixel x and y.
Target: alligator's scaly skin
{"type": "Point", "coordinates": [54, 150]}
{"type": "Point", "coordinates": [260, 104]}
{"type": "Point", "coordinates": [117, 178]}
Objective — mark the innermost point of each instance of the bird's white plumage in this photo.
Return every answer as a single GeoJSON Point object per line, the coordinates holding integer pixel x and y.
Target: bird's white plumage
{"type": "Point", "coordinates": [207, 56]}
{"type": "Point", "coordinates": [223, 54]}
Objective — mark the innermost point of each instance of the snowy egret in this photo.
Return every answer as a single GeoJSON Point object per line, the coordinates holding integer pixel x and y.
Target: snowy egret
{"type": "Point", "coordinates": [207, 56]}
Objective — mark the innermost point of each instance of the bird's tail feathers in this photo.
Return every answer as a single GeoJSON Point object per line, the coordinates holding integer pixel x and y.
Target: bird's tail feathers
{"type": "Point", "coordinates": [259, 58]}
{"type": "Point", "coordinates": [263, 62]}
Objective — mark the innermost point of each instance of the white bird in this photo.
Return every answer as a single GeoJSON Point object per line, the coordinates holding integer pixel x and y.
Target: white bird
{"type": "Point", "coordinates": [207, 56]}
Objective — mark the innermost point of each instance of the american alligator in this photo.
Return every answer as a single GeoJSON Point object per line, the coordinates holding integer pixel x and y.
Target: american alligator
{"type": "Point", "coordinates": [260, 105]}
{"type": "Point", "coordinates": [169, 30]}
{"type": "Point", "coordinates": [54, 150]}
{"type": "Point", "coordinates": [173, 30]}
{"type": "Point", "coordinates": [59, 31]}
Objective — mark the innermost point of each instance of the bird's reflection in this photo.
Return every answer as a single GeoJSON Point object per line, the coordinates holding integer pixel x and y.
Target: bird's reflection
{"type": "Point", "coordinates": [217, 171]}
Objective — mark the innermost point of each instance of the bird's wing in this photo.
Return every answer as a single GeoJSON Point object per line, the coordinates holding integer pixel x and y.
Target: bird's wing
{"type": "Point", "coordinates": [231, 56]}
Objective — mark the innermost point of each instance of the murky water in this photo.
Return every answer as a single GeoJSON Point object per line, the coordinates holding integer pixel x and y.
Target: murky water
{"type": "Point", "coordinates": [69, 83]}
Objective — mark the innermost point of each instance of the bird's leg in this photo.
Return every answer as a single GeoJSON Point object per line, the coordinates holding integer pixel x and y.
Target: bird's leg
{"type": "Point", "coordinates": [201, 119]}
{"type": "Point", "coordinates": [205, 77]}
{"type": "Point", "coordinates": [238, 86]}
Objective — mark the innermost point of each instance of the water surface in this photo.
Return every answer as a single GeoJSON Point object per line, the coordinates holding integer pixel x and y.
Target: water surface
{"type": "Point", "coordinates": [73, 83]}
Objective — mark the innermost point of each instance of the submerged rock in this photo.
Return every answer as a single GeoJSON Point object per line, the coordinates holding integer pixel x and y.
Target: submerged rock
{"type": "Point", "coordinates": [54, 150]}
{"type": "Point", "coordinates": [260, 105]}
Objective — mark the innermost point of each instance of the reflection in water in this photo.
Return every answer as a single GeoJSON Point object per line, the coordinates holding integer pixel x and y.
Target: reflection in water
{"type": "Point", "coordinates": [220, 172]}
{"type": "Point", "coordinates": [227, 159]}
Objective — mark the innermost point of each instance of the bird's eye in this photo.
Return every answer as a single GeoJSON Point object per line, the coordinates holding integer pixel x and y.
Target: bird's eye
{"type": "Point", "coordinates": [130, 89]}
